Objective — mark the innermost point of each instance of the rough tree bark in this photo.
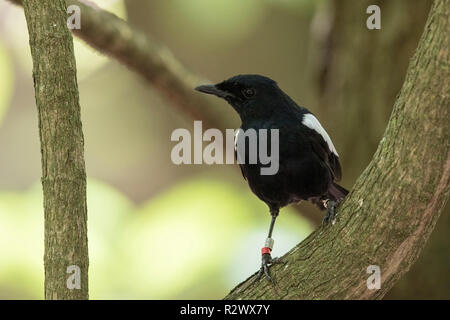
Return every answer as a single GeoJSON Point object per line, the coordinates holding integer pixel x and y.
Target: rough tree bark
{"type": "Point", "coordinates": [395, 203]}
{"type": "Point", "coordinates": [63, 168]}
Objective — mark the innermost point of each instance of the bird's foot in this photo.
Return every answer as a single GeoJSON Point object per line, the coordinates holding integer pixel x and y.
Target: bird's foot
{"type": "Point", "coordinates": [331, 214]}
{"type": "Point", "coordinates": [266, 262]}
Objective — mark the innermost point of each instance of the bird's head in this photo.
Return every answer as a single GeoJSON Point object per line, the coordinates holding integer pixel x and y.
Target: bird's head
{"type": "Point", "coordinates": [252, 96]}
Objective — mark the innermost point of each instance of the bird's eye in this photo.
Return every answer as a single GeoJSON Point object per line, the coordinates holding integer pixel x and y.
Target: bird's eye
{"type": "Point", "coordinates": [248, 93]}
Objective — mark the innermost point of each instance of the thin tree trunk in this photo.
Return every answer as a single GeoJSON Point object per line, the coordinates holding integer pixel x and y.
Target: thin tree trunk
{"type": "Point", "coordinates": [394, 205]}
{"type": "Point", "coordinates": [63, 168]}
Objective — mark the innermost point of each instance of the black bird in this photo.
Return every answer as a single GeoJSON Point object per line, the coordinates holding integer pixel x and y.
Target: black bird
{"type": "Point", "coordinates": [308, 161]}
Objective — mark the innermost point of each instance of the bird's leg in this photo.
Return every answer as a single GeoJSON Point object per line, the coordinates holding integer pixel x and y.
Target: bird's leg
{"type": "Point", "coordinates": [266, 259]}
{"type": "Point", "coordinates": [330, 205]}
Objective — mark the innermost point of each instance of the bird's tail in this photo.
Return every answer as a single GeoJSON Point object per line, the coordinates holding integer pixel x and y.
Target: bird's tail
{"type": "Point", "coordinates": [336, 192]}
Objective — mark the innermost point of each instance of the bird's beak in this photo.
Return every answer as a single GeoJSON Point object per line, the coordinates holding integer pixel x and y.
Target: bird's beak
{"type": "Point", "coordinates": [212, 89]}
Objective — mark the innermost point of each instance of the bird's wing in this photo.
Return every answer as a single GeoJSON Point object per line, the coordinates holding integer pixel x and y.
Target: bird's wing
{"type": "Point", "coordinates": [311, 122]}
{"type": "Point", "coordinates": [322, 145]}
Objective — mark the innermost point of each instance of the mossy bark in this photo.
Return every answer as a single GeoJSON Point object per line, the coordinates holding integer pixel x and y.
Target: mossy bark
{"type": "Point", "coordinates": [394, 205]}
{"type": "Point", "coordinates": [63, 168]}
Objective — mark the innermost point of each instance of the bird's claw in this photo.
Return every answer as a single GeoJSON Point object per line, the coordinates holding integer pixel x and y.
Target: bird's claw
{"type": "Point", "coordinates": [266, 262]}
{"type": "Point", "coordinates": [331, 212]}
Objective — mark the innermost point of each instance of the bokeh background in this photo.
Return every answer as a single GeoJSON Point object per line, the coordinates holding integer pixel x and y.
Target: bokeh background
{"type": "Point", "coordinates": [157, 230]}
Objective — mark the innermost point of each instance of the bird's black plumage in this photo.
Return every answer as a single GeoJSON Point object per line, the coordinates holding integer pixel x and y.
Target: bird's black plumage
{"type": "Point", "coordinates": [308, 161]}
{"type": "Point", "coordinates": [308, 166]}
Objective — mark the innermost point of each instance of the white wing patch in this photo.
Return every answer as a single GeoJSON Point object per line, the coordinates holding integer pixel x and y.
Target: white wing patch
{"type": "Point", "coordinates": [311, 122]}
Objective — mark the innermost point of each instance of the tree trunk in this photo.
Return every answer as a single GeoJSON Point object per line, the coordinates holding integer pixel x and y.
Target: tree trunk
{"type": "Point", "coordinates": [356, 92]}
{"type": "Point", "coordinates": [394, 205]}
{"type": "Point", "coordinates": [63, 168]}
{"type": "Point", "coordinates": [363, 86]}
{"type": "Point", "coordinates": [429, 277]}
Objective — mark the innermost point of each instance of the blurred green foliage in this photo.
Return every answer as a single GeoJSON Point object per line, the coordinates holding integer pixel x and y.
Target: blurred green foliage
{"type": "Point", "coordinates": [214, 22]}
{"type": "Point", "coordinates": [220, 23]}
{"type": "Point", "coordinates": [180, 244]}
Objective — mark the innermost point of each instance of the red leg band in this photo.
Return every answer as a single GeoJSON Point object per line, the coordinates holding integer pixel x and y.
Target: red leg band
{"type": "Point", "coordinates": [265, 250]}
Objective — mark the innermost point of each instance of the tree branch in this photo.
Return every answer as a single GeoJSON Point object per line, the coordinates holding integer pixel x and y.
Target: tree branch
{"type": "Point", "coordinates": [62, 148]}
{"type": "Point", "coordinates": [394, 205]}
{"type": "Point", "coordinates": [112, 36]}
